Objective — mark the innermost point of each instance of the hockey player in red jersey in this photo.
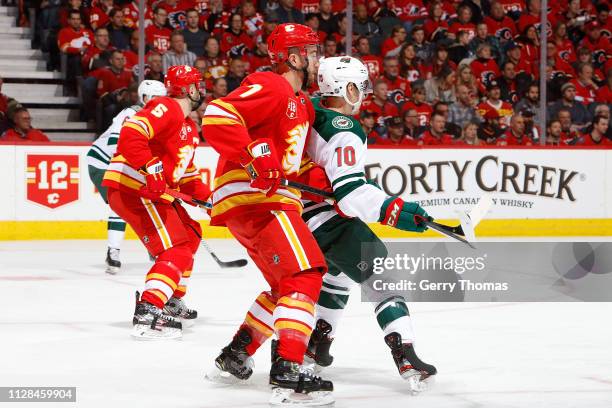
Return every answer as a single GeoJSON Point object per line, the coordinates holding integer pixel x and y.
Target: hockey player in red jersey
{"type": "Point", "coordinates": [260, 130]}
{"type": "Point", "coordinates": [154, 153]}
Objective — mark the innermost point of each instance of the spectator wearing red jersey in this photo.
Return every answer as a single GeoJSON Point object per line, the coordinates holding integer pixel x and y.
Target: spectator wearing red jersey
{"type": "Point", "coordinates": [530, 43]}
{"type": "Point", "coordinates": [586, 56]}
{"type": "Point", "coordinates": [312, 21]}
{"type": "Point", "coordinates": [157, 35]}
{"type": "Point", "coordinates": [499, 24]}
{"type": "Point", "coordinates": [410, 67]}
{"type": "Point", "coordinates": [22, 130]}
{"type": "Point", "coordinates": [131, 54]}
{"type": "Point", "coordinates": [600, 46]}
{"type": "Point", "coordinates": [408, 11]}
{"type": "Point", "coordinates": [436, 135]}
{"type": "Point", "coordinates": [113, 82]}
{"type": "Point", "coordinates": [97, 55]}
{"type": "Point", "coordinates": [514, 8]}
{"type": "Point", "coordinates": [340, 34]}
{"type": "Point", "coordinates": [372, 62]}
{"type": "Point", "coordinates": [131, 14]}
{"type": "Point", "coordinates": [379, 104]}
{"type": "Point", "coordinates": [7, 105]}
{"type": "Point", "coordinates": [441, 87]}
{"type": "Point", "coordinates": [463, 23]}
{"type": "Point", "coordinates": [177, 12]}
{"type": "Point", "coordinates": [216, 61]}
{"type": "Point", "coordinates": [532, 17]}
{"type": "Point", "coordinates": [514, 53]}
{"type": "Point", "coordinates": [235, 36]}
{"type": "Point", "coordinates": [565, 48]}
{"type": "Point", "coordinates": [597, 136]}
{"type": "Point", "coordinates": [72, 5]}
{"type": "Point", "coordinates": [604, 19]}
{"type": "Point", "coordinates": [399, 88]}
{"type": "Point", "coordinates": [395, 134]}
{"type": "Point", "coordinates": [515, 134]}
{"type": "Point", "coordinates": [494, 103]}
{"type": "Point", "coordinates": [553, 133]}
{"type": "Point", "coordinates": [604, 93]}
{"type": "Point", "coordinates": [585, 87]}
{"type": "Point", "coordinates": [253, 21]}
{"type": "Point", "coordinates": [484, 67]}
{"type": "Point", "coordinates": [98, 16]}
{"type": "Point", "coordinates": [73, 42]}
{"type": "Point", "coordinates": [508, 83]}
{"type": "Point", "coordinates": [194, 36]}
{"type": "Point", "coordinates": [392, 45]}
{"type": "Point", "coordinates": [259, 60]}
{"type": "Point", "coordinates": [422, 108]}
{"type": "Point", "coordinates": [119, 34]}
{"type": "Point", "coordinates": [435, 26]}
{"type": "Point", "coordinates": [177, 54]}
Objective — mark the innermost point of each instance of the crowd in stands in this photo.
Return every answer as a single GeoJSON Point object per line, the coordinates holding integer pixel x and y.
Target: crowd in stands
{"type": "Point", "coordinates": [16, 122]}
{"type": "Point", "coordinates": [443, 72]}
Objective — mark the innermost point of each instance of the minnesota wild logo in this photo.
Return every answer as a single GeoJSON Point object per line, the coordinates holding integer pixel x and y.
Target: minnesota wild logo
{"type": "Point", "coordinates": [342, 122]}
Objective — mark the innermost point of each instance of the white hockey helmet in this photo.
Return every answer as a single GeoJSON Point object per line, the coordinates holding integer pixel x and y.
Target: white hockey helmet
{"type": "Point", "coordinates": [151, 89]}
{"type": "Point", "coordinates": [335, 73]}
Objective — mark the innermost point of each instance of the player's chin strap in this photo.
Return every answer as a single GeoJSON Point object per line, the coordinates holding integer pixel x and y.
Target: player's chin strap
{"type": "Point", "coordinates": [196, 103]}
{"type": "Point", "coordinates": [355, 105]}
{"type": "Point", "coordinates": [304, 71]}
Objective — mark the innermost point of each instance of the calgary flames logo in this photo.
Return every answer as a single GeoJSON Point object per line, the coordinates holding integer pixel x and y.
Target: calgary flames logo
{"type": "Point", "coordinates": [293, 153]}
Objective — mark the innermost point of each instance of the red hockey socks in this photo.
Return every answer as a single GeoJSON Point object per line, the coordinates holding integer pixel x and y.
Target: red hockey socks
{"type": "Point", "coordinates": [259, 321]}
{"type": "Point", "coordinates": [293, 323]}
{"type": "Point", "coordinates": [163, 279]}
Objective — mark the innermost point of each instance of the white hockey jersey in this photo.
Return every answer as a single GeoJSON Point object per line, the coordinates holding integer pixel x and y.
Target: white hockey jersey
{"type": "Point", "coordinates": [104, 147]}
{"type": "Point", "coordinates": [339, 145]}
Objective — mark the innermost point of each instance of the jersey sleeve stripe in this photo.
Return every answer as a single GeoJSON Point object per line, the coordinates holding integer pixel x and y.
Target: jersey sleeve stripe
{"type": "Point", "coordinates": [144, 123]}
{"type": "Point", "coordinates": [137, 127]}
{"type": "Point", "coordinates": [213, 110]}
{"type": "Point", "coordinates": [347, 188]}
{"type": "Point", "coordinates": [230, 108]}
{"type": "Point", "coordinates": [219, 121]}
{"type": "Point", "coordinates": [185, 180]}
{"type": "Point", "coordinates": [346, 177]}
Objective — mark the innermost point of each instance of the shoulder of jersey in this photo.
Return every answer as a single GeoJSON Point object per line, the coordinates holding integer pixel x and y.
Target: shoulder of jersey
{"type": "Point", "coordinates": [269, 80]}
{"type": "Point", "coordinates": [329, 123]}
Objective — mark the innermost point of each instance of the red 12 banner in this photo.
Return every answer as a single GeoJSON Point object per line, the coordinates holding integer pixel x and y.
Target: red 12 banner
{"type": "Point", "coordinates": [52, 180]}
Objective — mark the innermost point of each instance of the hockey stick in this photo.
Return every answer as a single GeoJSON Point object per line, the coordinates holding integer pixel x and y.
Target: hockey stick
{"type": "Point", "coordinates": [238, 263]}
{"type": "Point", "coordinates": [454, 232]}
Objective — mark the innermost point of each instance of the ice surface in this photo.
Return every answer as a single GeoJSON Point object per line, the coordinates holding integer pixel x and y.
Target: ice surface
{"type": "Point", "coordinates": [64, 322]}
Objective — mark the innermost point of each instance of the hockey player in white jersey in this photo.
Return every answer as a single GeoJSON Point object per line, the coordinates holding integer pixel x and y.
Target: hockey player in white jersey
{"type": "Point", "coordinates": [339, 145]}
{"type": "Point", "coordinates": [100, 155]}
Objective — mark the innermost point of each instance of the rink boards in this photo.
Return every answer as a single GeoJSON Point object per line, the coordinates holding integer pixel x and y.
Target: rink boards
{"type": "Point", "coordinates": [47, 193]}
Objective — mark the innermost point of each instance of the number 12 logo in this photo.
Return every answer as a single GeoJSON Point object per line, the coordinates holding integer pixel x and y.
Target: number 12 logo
{"type": "Point", "coordinates": [52, 180]}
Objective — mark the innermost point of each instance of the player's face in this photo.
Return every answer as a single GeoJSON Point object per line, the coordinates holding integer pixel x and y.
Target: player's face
{"type": "Point", "coordinates": [313, 54]}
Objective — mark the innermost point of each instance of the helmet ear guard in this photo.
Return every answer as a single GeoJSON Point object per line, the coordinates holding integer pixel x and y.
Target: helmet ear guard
{"type": "Point", "coordinates": [336, 73]}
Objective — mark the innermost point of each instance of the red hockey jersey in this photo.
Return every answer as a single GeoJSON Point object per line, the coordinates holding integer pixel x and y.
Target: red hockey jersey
{"type": "Point", "coordinates": [264, 106]}
{"type": "Point", "coordinates": [158, 130]}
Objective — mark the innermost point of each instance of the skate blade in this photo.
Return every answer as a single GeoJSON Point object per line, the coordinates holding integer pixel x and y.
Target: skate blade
{"type": "Point", "coordinates": [223, 377]}
{"type": "Point", "coordinates": [112, 270]}
{"type": "Point", "coordinates": [142, 332]}
{"type": "Point", "coordinates": [416, 383]}
{"type": "Point", "coordinates": [282, 397]}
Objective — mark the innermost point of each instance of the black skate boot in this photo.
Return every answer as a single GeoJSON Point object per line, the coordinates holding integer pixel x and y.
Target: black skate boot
{"type": "Point", "coordinates": [319, 344]}
{"type": "Point", "coordinates": [293, 385]}
{"type": "Point", "coordinates": [151, 323]}
{"type": "Point", "coordinates": [176, 308]}
{"type": "Point", "coordinates": [113, 265]}
{"type": "Point", "coordinates": [234, 363]}
{"type": "Point", "coordinates": [409, 365]}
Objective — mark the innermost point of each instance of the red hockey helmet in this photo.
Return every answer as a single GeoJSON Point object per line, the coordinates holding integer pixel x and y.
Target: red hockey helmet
{"type": "Point", "coordinates": [290, 35]}
{"type": "Point", "coordinates": [178, 79]}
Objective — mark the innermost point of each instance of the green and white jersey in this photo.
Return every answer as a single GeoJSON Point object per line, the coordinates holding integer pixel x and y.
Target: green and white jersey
{"type": "Point", "coordinates": [104, 148]}
{"type": "Point", "coordinates": [339, 145]}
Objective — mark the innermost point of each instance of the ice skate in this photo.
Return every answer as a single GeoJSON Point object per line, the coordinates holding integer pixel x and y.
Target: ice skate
{"type": "Point", "coordinates": [151, 323]}
{"type": "Point", "coordinates": [293, 385]}
{"type": "Point", "coordinates": [317, 353]}
{"type": "Point", "coordinates": [113, 265]}
{"type": "Point", "coordinates": [233, 365]}
{"type": "Point", "coordinates": [176, 308]}
{"type": "Point", "coordinates": [418, 374]}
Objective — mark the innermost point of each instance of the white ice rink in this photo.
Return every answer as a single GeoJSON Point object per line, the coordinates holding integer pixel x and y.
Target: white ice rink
{"type": "Point", "coordinates": [64, 322]}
